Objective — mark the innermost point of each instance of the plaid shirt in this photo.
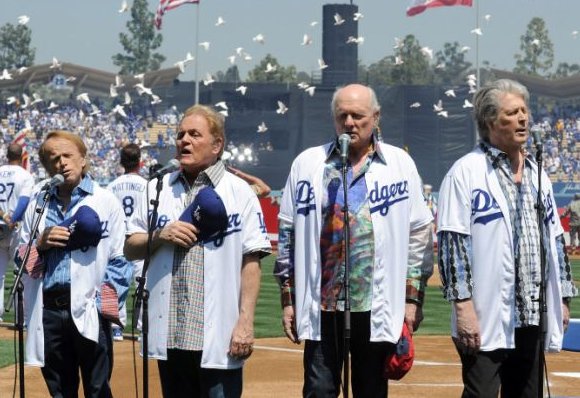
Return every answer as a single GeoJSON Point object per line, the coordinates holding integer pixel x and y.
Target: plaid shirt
{"type": "Point", "coordinates": [186, 301]}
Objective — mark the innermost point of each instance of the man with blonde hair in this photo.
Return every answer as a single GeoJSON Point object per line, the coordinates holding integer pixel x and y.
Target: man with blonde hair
{"type": "Point", "coordinates": [77, 277]}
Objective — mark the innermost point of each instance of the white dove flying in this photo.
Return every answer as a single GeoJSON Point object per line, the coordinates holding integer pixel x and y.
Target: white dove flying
{"type": "Point", "coordinates": [205, 45]}
{"type": "Point", "coordinates": [262, 128]}
{"type": "Point", "coordinates": [119, 110]}
{"type": "Point", "coordinates": [222, 104]}
{"type": "Point", "coordinates": [310, 90]}
{"type": "Point", "coordinates": [220, 21]}
{"type": "Point", "coordinates": [84, 97]}
{"type": "Point", "coordinates": [27, 101]}
{"type": "Point", "coordinates": [37, 98]}
{"type": "Point", "coordinates": [427, 52]}
{"type": "Point", "coordinates": [322, 64]}
{"type": "Point", "coordinates": [155, 99]}
{"type": "Point", "coordinates": [450, 93]}
{"type": "Point", "coordinates": [55, 64]}
{"type": "Point", "coordinates": [270, 68]}
{"type": "Point", "coordinates": [259, 38]}
{"type": "Point", "coordinates": [338, 19]}
{"type": "Point", "coordinates": [282, 108]}
{"type": "Point", "coordinates": [5, 75]}
{"type": "Point", "coordinates": [242, 89]}
{"type": "Point", "coordinates": [438, 107]}
{"type": "Point", "coordinates": [208, 79]}
{"type": "Point", "coordinates": [23, 19]}
{"type": "Point", "coordinates": [141, 89]}
{"type": "Point", "coordinates": [113, 91]}
{"type": "Point", "coordinates": [124, 7]}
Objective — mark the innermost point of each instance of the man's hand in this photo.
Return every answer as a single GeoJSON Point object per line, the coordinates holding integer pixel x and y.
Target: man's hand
{"type": "Point", "coordinates": [565, 315]}
{"type": "Point", "coordinates": [56, 236]}
{"type": "Point", "coordinates": [413, 316]}
{"type": "Point", "coordinates": [288, 322]}
{"type": "Point", "coordinates": [468, 339]}
{"type": "Point", "coordinates": [242, 341]}
{"type": "Point", "coordinates": [179, 233]}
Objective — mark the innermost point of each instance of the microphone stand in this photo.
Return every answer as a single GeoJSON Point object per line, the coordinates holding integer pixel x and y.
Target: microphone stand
{"type": "Point", "coordinates": [18, 289]}
{"type": "Point", "coordinates": [141, 295]}
{"type": "Point", "coordinates": [540, 210]}
{"type": "Point", "coordinates": [347, 327]}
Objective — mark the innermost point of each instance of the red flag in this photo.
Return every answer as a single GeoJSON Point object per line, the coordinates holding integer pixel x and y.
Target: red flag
{"type": "Point", "coordinates": [418, 6]}
{"type": "Point", "coordinates": [166, 5]}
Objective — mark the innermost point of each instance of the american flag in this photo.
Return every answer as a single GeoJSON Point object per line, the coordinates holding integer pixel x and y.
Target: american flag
{"type": "Point", "coordinates": [418, 6]}
{"type": "Point", "coordinates": [21, 130]}
{"type": "Point", "coordinates": [166, 5]}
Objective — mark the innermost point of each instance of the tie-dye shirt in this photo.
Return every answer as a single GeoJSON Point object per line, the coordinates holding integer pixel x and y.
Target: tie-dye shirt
{"type": "Point", "coordinates": [332, 238]}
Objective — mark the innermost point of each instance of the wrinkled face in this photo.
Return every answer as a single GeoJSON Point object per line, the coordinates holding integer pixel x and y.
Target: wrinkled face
{"type": "Point", "coordinates": [197, 149]}
{"type": "Point", "coordinates": [353, 114]}
{"type": "Point", "coordinates": [509, 131]}
{"type": "Point", "coordinates": [65, 158]}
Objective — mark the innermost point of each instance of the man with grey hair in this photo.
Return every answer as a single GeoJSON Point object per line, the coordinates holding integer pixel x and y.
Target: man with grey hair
{"type": "Point", "coordinates": [390, 250]}
{"type": "Point", "coordinates": [489, 252]}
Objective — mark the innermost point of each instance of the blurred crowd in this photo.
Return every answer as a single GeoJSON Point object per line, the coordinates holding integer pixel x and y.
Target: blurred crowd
{"type": "Point", "coordinates": [103, 132]}
{"type": "Point", "coordinates": [561, 140]}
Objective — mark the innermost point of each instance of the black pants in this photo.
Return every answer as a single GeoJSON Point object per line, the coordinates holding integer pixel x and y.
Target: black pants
{"type": "Point", "coordinates": [516, 370]}
{"type": "Point", "coordinates": [183, 377]}
{"type": "Point", "coordinates": [323, 359]}
{"type": "Point", "coordinates": [66, 350]}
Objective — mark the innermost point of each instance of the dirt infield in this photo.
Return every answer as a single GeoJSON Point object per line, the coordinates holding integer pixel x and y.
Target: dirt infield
{"type": "Point", "coordinates": [275, 370]}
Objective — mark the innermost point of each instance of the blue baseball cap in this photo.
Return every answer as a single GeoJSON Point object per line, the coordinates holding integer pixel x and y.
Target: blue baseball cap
{"type": "Point", "coordinates": [207, 212]}
{"type": "Point", "coordinates": [84, 227]}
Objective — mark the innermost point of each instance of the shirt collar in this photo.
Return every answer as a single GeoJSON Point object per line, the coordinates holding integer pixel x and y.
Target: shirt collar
{"type": "Point", "coordinates": [334, 151]}
{"type": "Point", "coordinates": [86, 186]}
{"type": "Point", "coordinates": [495, 155]}
{"type": "Point", "coordinates": [214, 173]}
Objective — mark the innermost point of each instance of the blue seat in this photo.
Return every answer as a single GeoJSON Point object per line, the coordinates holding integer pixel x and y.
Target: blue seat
{"type": "Point", "coordinates": [572, 336]}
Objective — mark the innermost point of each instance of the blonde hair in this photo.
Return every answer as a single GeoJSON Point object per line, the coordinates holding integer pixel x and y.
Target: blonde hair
{"type": "Point", "coordinates": [65, 135]}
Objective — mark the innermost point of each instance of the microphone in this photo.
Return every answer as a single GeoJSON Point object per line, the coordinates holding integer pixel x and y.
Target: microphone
{"type": "Point", "coordinates": [536, 132]}
{"type": "Point", "coordinates": [171, 166]}
{"type": "Point", "coordinates": [343, 143]}
{"type": "Point", "coordinates": [55, 181]}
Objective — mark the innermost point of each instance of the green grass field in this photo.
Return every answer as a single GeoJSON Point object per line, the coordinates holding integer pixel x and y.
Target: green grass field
{"type": "Point", "coordinates": [268, 312]}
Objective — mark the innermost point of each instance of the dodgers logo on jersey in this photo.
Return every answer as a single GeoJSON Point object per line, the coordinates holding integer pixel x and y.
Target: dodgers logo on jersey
{"type": "Point", "coordinates": [234, 226]}
{"type": "Point", "coordinates": [104, 229]}
{"type": "Point", "coordinates": [388, 195]}
{"type": "Point", "coordinates": [304, 198]}
{"type": "Point", "coordinates": [483, 203]}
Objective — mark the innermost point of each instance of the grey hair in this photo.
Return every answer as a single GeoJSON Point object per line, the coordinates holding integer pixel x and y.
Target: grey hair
{"type": "Point", "coordinates": [375, 107]}
{"type": "Point", "coordinates": [486, 102]}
